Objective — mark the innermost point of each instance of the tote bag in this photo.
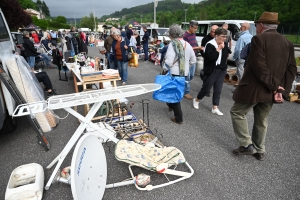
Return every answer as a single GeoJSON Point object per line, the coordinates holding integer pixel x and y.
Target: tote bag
{"type": "Point", "coordinates": [172, 88]}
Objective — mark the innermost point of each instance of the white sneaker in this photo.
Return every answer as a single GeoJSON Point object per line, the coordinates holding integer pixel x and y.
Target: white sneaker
{"type": "Point", "coordinates": [195, 103]}
{"type": "Point", "coordinates": [216, 111]}
{"type": "Point", "coordinates": [124, 83]}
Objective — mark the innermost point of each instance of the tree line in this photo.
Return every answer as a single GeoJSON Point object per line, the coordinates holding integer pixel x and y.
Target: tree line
{"type": "Point", "coordinates": [172, 11]}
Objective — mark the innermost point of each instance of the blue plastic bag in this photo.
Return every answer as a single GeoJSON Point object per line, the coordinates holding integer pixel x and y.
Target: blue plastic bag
{"type": "Point", "coordinates": [172, 88]}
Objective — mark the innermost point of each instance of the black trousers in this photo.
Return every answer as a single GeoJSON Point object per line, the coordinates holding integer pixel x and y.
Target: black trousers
{"type": "Point", "coordinates": [44, 78]}
{"type": "Point", "coordinates": [215, 80]}
{"type": "Point", "coordinates": [176, 107]}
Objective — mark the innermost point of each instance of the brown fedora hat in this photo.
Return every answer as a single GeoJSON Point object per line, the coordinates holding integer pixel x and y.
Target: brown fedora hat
{"type": "Point", "coordinates": [268, 18]}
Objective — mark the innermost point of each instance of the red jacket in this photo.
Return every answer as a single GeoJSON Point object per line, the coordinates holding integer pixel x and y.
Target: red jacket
{"type": "Point", "coordinates": [35, 37]}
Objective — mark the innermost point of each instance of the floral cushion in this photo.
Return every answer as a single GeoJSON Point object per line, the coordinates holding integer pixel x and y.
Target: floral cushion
{"type": "Point", "coordinates": [145, 156]}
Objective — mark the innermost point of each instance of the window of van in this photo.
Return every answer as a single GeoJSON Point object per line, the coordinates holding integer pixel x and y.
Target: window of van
{"type": "Point", "coordinates": [202, 30]}
{"type": "Point", "coordinates": [235, 31]}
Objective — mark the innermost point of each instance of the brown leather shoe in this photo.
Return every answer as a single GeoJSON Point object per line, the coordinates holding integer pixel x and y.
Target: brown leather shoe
{"type": "Point", "coordinates": [259, 156]}
{"type": "Point", "coordinates": [188, 96]}
{"type": "Point", "coordinates": [174, 120]}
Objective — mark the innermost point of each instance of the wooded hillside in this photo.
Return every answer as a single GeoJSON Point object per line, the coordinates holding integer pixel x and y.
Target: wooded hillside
{"type": "Point", "coordinates": [172, 11]}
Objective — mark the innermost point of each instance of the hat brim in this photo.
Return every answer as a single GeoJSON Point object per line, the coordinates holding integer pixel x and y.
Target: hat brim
{"type": "Point", "coordinates": [266, 21]}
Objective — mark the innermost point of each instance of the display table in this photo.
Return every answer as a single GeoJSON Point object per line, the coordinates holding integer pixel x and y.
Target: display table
{"type": "Point", "coordinates": [74, 68]}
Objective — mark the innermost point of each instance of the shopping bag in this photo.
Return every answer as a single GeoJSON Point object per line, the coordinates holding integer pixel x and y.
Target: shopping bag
{"type": "Point", "coordinates": [172, 88]}
{"type": "Point", "coordinates": [134, 61]}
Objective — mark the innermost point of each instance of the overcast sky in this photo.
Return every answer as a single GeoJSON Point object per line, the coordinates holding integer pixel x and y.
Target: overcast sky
{"type": "Point", "coordinates": [69, 8]}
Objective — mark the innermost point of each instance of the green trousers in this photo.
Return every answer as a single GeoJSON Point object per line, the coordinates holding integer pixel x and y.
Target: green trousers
{"type": "Point", "coordinates": [240, 125]}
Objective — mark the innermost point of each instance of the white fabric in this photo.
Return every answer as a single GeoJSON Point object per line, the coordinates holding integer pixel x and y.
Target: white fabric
{"type": "Point", "coordinates": [171, 57]}
{"type": "Point", "coordinates": [132, 41]}
{"type": "Point", "coordinates": [28, 86]}
{"type": "Point", "coordinates": [214, 43]}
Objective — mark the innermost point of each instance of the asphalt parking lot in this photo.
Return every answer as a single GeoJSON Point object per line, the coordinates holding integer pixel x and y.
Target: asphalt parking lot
{"type": "Point", "coordinates": [206, 140]}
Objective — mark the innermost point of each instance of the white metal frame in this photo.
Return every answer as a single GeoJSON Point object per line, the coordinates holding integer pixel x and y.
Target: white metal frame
{"type": "Point", "coordinates": [67, 101]}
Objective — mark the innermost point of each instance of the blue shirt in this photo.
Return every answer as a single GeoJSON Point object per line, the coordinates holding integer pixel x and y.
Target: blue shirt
{"type": "Point", "coordinates": [243, 40]}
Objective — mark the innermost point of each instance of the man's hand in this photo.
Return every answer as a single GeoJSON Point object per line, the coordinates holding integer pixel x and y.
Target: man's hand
{"type": "Point", "coordinates": [278, 95]}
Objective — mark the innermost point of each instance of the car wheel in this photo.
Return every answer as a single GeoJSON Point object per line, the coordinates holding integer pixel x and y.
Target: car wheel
{"type": "Point", "coordinates": [9, 125]}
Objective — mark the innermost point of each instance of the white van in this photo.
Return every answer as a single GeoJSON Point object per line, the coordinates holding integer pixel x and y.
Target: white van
{"type": "Point", "coordinates": [233, 26]}
{"type": "Point", "coordinates": [160, 33]}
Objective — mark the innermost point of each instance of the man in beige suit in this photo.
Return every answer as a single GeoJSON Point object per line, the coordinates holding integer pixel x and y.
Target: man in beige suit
{"type": "Point", "coordinates": [269, 72]}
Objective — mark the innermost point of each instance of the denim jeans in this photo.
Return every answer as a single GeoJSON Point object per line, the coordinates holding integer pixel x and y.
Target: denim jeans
{"type": "Point", "coordinates": [145, 47]}
{"type": "Point", "coordinates": [123, 70]}
{"type": "Point", "coordinates": [31, 61]}
{"type": "Point", "coordinates": [46, 58]}
{"type": "Point", "coordinates": [188, 79]}
{"type": "Point", "coordinates": [138, 50]}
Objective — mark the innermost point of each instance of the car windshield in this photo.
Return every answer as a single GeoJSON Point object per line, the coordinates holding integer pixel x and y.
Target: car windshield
{"type": "Point", "coordinates": [162, 31]}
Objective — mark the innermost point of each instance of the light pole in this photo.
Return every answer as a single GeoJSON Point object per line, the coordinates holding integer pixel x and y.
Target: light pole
{"type": "Point", "coordinates": [141, 19]}
{"type": "Point", "coordinates": [185, 14]}
{"type": "Point", "coordinates": [94, 15]}
{"type": "Point", "coordinates": [155, 5]}
{"type": "Point", "coordinates": [255, 15]}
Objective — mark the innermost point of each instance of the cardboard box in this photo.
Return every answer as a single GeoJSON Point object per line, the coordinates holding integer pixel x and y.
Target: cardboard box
{"type": "Point", "coordinates": [293, 97]}
{"type": "Point", "coordinates": [92, 76]}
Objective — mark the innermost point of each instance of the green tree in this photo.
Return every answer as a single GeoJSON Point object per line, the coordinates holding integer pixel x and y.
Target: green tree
{"type": "Point", "coordinates": [42, 23]}
{"type": "Point", "coordinates": [27, 4]}
{"type": "Point", "coordinates": [61, 19]}
{"type": "Point", "coordinates": [88, 22]}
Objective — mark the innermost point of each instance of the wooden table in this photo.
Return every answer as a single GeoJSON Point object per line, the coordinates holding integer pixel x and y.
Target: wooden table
{"type": "Point", "coordinates": [74, 68]}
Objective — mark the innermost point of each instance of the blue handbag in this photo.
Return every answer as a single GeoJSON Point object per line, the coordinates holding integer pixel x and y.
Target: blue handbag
{"type": "Point", "coordinates": [172, 88]}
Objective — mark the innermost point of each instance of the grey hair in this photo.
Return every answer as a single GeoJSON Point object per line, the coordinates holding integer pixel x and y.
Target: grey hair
{"type": "Point", "coordinates": [116, 32]}
{"type": "Point", "coordinates": [136, 33]}
{"type": "Point", "coordinates": [268, 26]}
{"type": "Point", "coordinates": [193, 23]}
{"type": "Point", "coordinates": [221, 31]}
{"type": "Point", "coordinates": [175, 31]}
{"type": "Point", "coordinates": [25, 33]}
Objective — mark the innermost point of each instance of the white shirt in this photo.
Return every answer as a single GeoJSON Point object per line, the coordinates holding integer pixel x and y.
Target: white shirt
{"type": "Point", "coordinates": [171, 57]}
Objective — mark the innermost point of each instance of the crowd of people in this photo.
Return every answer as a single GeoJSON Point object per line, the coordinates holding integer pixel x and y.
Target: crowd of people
{"type": "Point", "coordinates": [265, 76]}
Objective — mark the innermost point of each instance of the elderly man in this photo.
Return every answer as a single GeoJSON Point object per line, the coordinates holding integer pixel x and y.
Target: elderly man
{"type": "Point", "coordinates": [190, 37]}
{"type": "Point", "coordinates": [269, 73]}
{"type": "Point", "coordinates": [107, 45]}
{"type": "Point", "coordinates": [244, 39]}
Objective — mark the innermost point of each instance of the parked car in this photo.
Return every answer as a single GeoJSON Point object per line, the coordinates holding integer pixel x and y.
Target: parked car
{"type": "Point", "coordinates": [7, 103]}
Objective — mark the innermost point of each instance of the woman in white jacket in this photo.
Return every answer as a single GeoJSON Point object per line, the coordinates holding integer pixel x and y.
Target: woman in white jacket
{"type": "Point", "coordinates": [179, 56]}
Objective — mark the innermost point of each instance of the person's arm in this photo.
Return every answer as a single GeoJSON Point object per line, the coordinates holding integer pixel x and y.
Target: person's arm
{"type": "Point", "coordinates": [164, 49]}
{"type": "Point", "coordinates": [290, 73]}
{"type": "Point", "coordinates": [192, 56]}
{"type": "Point", "coordinates": [238, 48]}
{"type": "Point", "coordinates": [257, 58]}
{"type": "Point", "coordinates": [211, 53]}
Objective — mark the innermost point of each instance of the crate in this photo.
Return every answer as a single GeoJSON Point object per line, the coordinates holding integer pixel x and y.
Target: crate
{"type": "Point", "coordinates": [293, 97]}
{"type": "Point", "coordinates": [91, 76]}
